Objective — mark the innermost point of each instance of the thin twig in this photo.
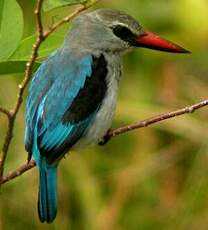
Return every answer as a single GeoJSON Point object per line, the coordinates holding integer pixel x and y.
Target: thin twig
{"type": "Point", "coordinates": [69, 18]}
{"type": "Point", "coordinates": [39, 19]}
{"type": "Point", "coordinates": [64, 20]}
{"type": "Point", "coordinates": [23, 168]}
{"type": "Point", "coordinates": [30, 64]}
{"type": "Point", "coordinates": [118, 131]}
{"type": "Point", "coordinates": [5, 111]}
{"type": "Point", "coordinates": [156, 119]}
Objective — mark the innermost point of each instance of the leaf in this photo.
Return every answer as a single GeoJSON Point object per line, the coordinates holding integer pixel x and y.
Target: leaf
{"type": "Point", "coordinates": [51, 4]}
{"type": "Point", "coordinates": [13, 67]}
{"type": "Point", "coordinates": [11, 27]}
{"type": "Point", "coordinates": [23, 52]}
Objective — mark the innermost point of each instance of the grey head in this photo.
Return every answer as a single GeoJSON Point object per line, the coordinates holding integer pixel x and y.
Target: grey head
{"type": "Point", "coordinates": [105, 30]}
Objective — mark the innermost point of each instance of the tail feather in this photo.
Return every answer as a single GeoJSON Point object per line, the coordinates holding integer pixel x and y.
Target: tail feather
{"type": "Point", "coordinates": [47, 196]}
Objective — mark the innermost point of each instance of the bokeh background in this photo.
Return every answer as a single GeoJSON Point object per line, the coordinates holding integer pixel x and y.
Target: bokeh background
{"type": "Point", "coordinates": [152, 178]}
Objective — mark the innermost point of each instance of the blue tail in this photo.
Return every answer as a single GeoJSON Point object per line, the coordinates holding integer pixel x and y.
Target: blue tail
{"type": "Point", "coordinates": [47, 197]}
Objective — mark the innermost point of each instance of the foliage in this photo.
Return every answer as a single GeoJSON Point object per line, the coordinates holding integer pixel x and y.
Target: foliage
{"type": "Point", "coordinates": [11, 28]}
{"type": "Point", "coordinates": [148, 179]}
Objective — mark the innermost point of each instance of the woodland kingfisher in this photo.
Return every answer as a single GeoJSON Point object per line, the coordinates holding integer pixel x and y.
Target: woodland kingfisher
{"type": "Point", "coordinates": [73, 94]}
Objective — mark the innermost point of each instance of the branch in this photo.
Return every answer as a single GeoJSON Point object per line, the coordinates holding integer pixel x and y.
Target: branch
{"type": "Point", "coordinates": [5, 111]}
{"type": "Point", "coordinates": [41, 36]}
{"type": "Point", "coordinates": [64, 20]}
{"type": "Point", "coordinates": [69, 17]}
{"type": "Point", "coordinates": [23, 168]}
{"type": "Point", "coordinates": [118, 131]}
{"type": "Point", "coordinates": [156, 119]}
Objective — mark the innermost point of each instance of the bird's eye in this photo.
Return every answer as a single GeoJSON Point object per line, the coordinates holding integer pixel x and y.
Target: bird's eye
{"type": "Point", "coordinates": [123, 32]}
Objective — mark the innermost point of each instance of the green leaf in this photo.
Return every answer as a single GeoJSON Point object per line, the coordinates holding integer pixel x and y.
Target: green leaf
{"type": "Point", "coordinates": [51, 4]}
{"type": "Point", "coordinates": [11, 27]}
{"type": "Point", "coordinates": [13, 67]}
{"type": "Point", "coordinates": [23, 52]}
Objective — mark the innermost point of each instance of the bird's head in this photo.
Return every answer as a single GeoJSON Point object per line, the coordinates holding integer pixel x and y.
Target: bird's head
{"type": "Point", "coordinates": [116, 31]}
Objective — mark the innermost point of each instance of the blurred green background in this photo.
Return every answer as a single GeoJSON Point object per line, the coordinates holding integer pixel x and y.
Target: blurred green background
{"type": "Point", "coordinates": [152, 178]}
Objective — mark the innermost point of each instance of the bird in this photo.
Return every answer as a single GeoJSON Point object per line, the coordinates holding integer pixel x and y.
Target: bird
{"type": "Point", "coordinates": [72, 96]}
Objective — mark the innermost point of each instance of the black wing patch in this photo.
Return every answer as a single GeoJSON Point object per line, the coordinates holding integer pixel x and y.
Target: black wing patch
{"type": "Point", "coordinates": [91, 95]}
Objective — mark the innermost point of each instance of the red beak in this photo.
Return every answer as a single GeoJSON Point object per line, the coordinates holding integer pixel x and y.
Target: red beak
{"type": "Point", "coordinates": [153, 41]}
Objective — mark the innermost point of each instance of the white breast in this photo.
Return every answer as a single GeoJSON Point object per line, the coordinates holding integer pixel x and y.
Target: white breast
{"type": "Point", "coordinates": [103, 118]}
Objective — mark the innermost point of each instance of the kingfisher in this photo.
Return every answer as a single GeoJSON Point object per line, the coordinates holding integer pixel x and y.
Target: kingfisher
{"type": "Point", "coordinates": [73, 94]}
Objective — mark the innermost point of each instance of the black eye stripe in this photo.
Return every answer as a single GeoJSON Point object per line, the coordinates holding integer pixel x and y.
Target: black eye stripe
{"type": "Point", "coordinates": [123, 32]}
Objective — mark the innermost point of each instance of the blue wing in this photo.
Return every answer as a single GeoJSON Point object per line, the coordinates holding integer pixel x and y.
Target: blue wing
{"type": "Point", "coordinates": [56, 116]}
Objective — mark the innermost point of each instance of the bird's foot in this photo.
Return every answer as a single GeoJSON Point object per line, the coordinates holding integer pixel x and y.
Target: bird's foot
{"type": "Point", "coordinates": [105, 139]}
{"type": "Point", "coordinates": [29, 157]}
